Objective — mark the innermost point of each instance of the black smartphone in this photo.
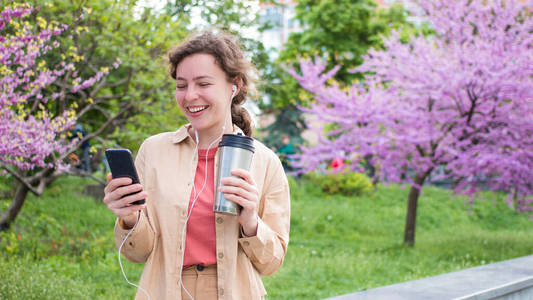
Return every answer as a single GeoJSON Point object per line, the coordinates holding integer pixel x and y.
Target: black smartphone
{"type": "Point", "coordinates": [121, 165]}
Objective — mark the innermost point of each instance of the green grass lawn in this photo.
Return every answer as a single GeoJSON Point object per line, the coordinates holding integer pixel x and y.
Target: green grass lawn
{"type": "Point", "coordinates": [62, 246]}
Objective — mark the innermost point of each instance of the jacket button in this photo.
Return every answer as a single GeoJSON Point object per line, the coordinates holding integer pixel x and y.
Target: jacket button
{"type": "Point", "coordinates": [220, 255]}
{"type": "Point", "coordinates": [221, 292]}
{"type": "Point", "coordinates": [246, 243]}
{"type": "Point", "coordinates": [220, 220]}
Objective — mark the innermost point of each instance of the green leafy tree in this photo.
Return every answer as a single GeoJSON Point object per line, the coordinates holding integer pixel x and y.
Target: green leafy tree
{"type": "Point", "coordinates": [139, 37]}
{"type": "Point", "coordinates": [289, 120]}
{"type": "Point", "coordinates": [340, 31]}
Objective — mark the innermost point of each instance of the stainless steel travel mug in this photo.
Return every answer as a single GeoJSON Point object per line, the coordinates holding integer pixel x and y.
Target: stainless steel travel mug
{"type": "Point", "coordinates": [235, 151]}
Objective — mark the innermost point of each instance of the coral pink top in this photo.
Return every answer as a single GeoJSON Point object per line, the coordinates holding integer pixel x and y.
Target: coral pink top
{"type": "Point", "coordinates": [200, 241]}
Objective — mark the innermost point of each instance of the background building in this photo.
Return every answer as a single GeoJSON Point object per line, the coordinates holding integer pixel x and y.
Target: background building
{"type": "Point", "coordinates": [282, 20]}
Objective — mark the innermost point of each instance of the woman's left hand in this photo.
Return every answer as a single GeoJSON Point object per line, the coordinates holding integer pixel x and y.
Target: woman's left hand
{"type": "Point", "coordinates": [243, 191]}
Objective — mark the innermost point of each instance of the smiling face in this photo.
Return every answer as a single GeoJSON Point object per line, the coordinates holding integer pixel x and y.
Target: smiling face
{"type": "Point", "coordinates": [203, 93]}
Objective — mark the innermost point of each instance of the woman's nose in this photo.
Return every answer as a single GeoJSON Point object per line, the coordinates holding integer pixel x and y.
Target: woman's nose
{"type": "Point", "coordinates": [190, 93]}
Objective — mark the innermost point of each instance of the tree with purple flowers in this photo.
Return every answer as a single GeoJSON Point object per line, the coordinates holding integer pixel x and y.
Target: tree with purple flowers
{"type": "Point", "coordinates": [460, 99]}
{"type": "Point", "coordinates": [34, 116]}
{"type": "Point", "coordinates": [27, 138]}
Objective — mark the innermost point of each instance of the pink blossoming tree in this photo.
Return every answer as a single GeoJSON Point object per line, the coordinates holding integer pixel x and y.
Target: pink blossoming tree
{"type": "Point", "coordinates": [460, 99]}
{"type": "Point", "coordinates": [34, 117]}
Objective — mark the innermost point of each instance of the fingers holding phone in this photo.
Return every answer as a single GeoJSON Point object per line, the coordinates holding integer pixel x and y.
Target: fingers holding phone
{"type": "Point", "coordinates": [119, 195]}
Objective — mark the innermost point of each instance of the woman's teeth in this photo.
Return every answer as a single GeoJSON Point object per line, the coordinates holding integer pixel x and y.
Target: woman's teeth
{"type": "Point", "coordinates": [197, 108]}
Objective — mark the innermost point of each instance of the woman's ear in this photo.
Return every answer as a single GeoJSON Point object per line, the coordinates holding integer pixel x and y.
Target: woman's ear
{"type": "Point", "coordinates": [237, 83]}
{"type": "Point", "coordinates": [234, 89]}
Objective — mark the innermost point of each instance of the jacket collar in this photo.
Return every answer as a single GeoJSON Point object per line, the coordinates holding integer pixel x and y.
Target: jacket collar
{"type": "Point", "coordinates": [183, 133]}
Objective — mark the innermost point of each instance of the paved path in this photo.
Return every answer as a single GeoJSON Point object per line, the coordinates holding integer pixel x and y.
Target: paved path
{"type": "Point", "coordinates": [497, 280]}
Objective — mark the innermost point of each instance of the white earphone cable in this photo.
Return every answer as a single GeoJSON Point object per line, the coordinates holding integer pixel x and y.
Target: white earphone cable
{"type": "Point", "coordinates": [120, 262]}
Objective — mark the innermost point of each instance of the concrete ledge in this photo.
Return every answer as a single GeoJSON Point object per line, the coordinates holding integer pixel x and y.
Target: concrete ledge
{"type": "Point", "coordinates": [505, 291]}
{"type": "Point", "coordinates": [510, 279]}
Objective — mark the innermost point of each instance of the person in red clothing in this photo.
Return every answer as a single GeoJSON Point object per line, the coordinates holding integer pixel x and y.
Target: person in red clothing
{"type": "Point", "coordinates": [337, 163]}
{"type": "Point", "coordinates": [189, 251]}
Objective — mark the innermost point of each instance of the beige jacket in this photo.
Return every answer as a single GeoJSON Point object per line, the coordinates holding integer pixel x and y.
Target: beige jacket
{"type": "Point", "coordinates": [166, 164]}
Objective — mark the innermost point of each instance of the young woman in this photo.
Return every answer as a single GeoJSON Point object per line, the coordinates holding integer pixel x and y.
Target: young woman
{"type": "Point", "coordinates": [191, 252]}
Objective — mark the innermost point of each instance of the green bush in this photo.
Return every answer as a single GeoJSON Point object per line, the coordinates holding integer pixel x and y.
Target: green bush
{"type": "Point", "coordinates": [345, 183]}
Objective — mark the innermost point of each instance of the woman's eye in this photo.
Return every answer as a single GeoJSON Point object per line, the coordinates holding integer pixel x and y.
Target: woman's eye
{"type": "Point", "coordinates": [204, 83]}
{"type": "Point", "coordinates": [180, 87]}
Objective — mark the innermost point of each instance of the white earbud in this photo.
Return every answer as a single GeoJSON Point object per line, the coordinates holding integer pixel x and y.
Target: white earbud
{"type": "Point", "coordinates": [196, 135]}
{"type": "Point", "coordinates": [234, 89]}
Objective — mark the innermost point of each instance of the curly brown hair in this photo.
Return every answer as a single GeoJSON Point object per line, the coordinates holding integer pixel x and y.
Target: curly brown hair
{"type": "Point", "coordinates": [229, 56]}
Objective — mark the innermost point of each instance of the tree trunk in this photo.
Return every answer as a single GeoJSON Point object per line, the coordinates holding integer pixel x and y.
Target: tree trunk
{"type": "Point", "coordinates": [16, 206]}
{"type": "Point", "coordinates": [41, 180]}
{"type": "Point", "coordinates": [412, 205]}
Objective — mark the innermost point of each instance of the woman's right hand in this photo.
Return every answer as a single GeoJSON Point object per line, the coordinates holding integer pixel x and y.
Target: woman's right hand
{"type": "Point", "coordinates": [122, 208]}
